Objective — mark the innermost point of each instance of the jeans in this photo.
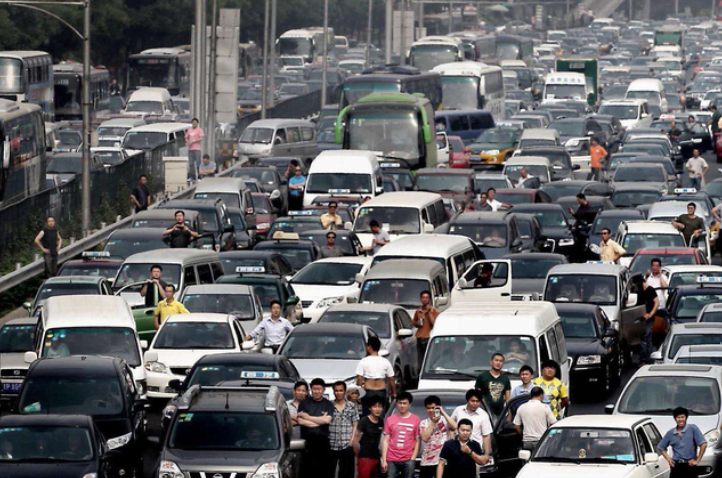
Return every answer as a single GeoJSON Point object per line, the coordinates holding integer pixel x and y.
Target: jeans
{"type": "Point", "coordinates": [194, 161]}
{"type": "Point", "coordinates": [646, 347]}
{"type": "Point", "coordinates": [401, 469]}
{"type": "Point", "coordinates": [695, 183]}
{"type": "Point", "coordinates": [344, 459]}
{"type": "Point", "coordinates": [421, 345]}
{"type": "Point", "coordinates": [51, 264]}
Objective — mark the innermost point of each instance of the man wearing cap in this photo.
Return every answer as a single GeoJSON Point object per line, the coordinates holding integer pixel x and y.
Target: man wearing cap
{"type": "Point", "coordinates": [331, 220]}
{"type": "Point", "coordinates": [555, 392]}
{"type": "Point", "coordinates": [331, 249]}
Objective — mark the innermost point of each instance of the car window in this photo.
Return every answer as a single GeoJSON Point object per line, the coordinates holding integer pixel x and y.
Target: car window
{"type": "Point", "coordinates": [204, 274]}
{"type": "Point", "coordinates": [189, 277]}
{"type": "Point", "coordinates": [653, 435]}
{"type": "Point", "coordinates": [644, 445]}
{"type": "Point", "coordinates": [459, 123]}
{"type": "Point", "coordinates": [405, 319]}
{"type": "Point", "coordinates": [217, 269]}
{"type": "Point", "coordinates": [551, 338]}
{"type": "Point", "coordinates": [543, 350]}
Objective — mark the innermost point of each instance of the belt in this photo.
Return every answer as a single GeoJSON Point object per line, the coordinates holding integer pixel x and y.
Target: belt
{"type": "Point", "coordinates": [681, 462]}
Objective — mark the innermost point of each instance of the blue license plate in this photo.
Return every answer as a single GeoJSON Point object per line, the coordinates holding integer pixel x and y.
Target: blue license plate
{"type": "Point", "coordinates": [12, 387]}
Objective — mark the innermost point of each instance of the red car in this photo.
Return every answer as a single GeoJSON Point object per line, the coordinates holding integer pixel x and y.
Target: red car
{"type": "Point", "coordinates": [459, 155]}
{"type": "Point", "coordinates": [669, 256]}
{"type": "Point", "coordinates": [265, 214]}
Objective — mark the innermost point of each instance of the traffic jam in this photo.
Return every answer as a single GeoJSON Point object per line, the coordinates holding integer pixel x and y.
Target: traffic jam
{"type": "Point", "coordinates": [496, 256]}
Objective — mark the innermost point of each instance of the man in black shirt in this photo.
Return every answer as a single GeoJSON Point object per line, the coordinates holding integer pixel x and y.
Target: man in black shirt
{"type": "Point", "coordinates": [49, 241]}
{"type": "Point", "coordinates": [314, 416]}
{"type": "Point", "coordinates": [367, 438]}
{"type": "Point", "coordinates": [141, 194]}
{"type": "Point", "coordinates": [674, 132]}
{"type": "Point", "coordinates": [651, 303]}
{"type": "Point", "coordinates": [714, 122]}
{"type": "Point", "coordinates": [180, 234]}
{"type": "Point", "coordinates": [484, 279]}
{"type": "Point", "coordinates": [155, 281]}
{"type": "Point", "coordinates": [583, 208]}
{"type": "Point", "coordinates": [460, 455]}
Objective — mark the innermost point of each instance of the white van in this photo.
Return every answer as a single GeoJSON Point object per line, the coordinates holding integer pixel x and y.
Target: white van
{"type": "Point", "coordinates": [151, 102]}
{"type": "Point", "coordinates": [232, 191]}
{"type": "Point", "coordinates": [151, 136]}
{"type": "Point", "coordinates": [650, 89]}
{"type": "Point", "coordinates": [400, 214]}
{"type": "Point", "coordinates": [90, 325]}
{"type": "Point", "coordinates": [465, 337]}
{"type": "Point", "coordinates": [111, 132]}
{"type": "Point", "coordinates": [458, 253]}
{"type": "Point", "coordinates": [278, 137]}
{"type": "Point", "coordinates": [343, 172]}
{"type": "Point", "coordinates": [565, 86]}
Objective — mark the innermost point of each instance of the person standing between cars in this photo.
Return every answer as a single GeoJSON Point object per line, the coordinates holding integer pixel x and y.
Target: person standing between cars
{"type": "Point", "coordinates": [598, 155]}
{"type": "Point", "coordinates": [656, 280]}
{"type": "Point", "coordinates": [167, 307]}
{"type": "Point", "coordinates": [275, 328]}
{"type": "Point", "coordinates": [714, 122]}
{"type": "Point", "coordinates": [555, 392]}
{"type": "Point", "coordinates": [534, 417]}
{"type": "Point", "coordinates": [141, 194]}
{"type": "Point", "coordinates": [296, 184]}
{"type": "Point", "coordinates": [330, 249]}
{"type": "Point", "coordinates": [651, 304]}
{"type": "Point", "coordinates": [367, 439]}
{"type": "Point", "coordinates": [495, 205]}
{"type": "Point", "coordinates": [697, 167]}
{"type": "Point", "coordinates": [155, 281]}
{"type": "Point", "coordinates": [690, 224]}
{"type": "Point", "coordinates": [688, 446]}
{"type": "Point", "coordinates": [424, 320]}
{"type": "Point", "coordinates": [49, 242]}
{"type": "Point", "coordinates": [194, 139]}
{"type": "Point", "coordinates": [300, 392]}
{"type": "Point", "coordinates": [526, 374]}
{"type": "Point", "coordinates": [494, 384]}
{"type": "Point", "coordinates": [609, 250]}
{"type": "Point", "coordinates": [374, 372]}
{"type": "Point", "coordinates": [381, 237]}
{"type": "Point", "coordinates": [315, 414]}
{"type": "Point", "coordinates": [400, 444]}
{"type": "Point", "coordinates": [207, 168]}
{"type": "Point", "coordinates": [583, 208]}
{"type": "Point", "coordinates": [435, 430]}
{"type": "Point", "coordinates": [331, 220]}
{"type": "Point", "coordinates": [179, 234]}
{"type": "Point", "coordinates": [483, 204]}
{"type": "Point", "coordinates": [343, 426]}
{"type": "Point", "coordinates": [674, 132]}
{"type": "Point", "coordinates": [481, 431]}
{"type": "Point", "coordinates": [460, 456]}
{"type": "Point", "coordinates": [523, 176]}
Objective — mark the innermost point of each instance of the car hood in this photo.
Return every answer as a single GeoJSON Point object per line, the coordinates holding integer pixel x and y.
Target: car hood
{"type": "Point", "coordinates": [557, 233]}
{"type": "Point", "coordinates": [527, 286]}
{"type": "Point", "coordinates": [221, 461]}
{"type": "Point", "coordinates": [317, 292]}
{"type": "Point", "coordinates": [584, 346]}
{"type": "Point", "coordinates": [329, 370]}
{"type": "Point", "coordinates": [56, 470]}
{"type": "Point", "coordinates": [493, 252]}
{"type": "Point", "coordinates": [571, 470]}
{"type": "Point", "coordinates": [185, 358]}
{"type": "Point", "coordinates": [13, 361]}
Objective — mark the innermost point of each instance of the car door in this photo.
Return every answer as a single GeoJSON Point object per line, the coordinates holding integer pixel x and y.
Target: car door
{"type": "Point", "coordinates": [662, 469]}
{"type": "Point", "coordinates": [507, 442]}
{"type": "Point", "coordinates": [632, 326]}
{"type": "Point", "coordinates": [644, 446]}
{"type": "Point", "coordinates": [408, 344]}
{"type": "Point", "coordinates": [499, 289]}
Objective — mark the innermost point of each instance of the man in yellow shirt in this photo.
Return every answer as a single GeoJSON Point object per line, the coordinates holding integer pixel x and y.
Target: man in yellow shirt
{"type": "Point", "coordinates": [609, 251]}
{"type": "Point", "coordinates": [555, 392]}
{"type": "Point", "coordinates": [168, 307]}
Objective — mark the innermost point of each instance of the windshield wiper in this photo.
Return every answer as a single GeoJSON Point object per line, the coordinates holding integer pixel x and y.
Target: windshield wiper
{"type": "Point", "coordinates": [447, 371]}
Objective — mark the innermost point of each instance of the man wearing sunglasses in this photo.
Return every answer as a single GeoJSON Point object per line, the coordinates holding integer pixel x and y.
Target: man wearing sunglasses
{"type": "Point", "coordinates": [609, 251]}
{"type": "Point", "coordinates": [331, 221]}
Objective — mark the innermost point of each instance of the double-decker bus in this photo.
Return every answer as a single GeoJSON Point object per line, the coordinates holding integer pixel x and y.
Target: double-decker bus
{"type": "Point", "coordinates": [392, 79]}
{"type": "Point", "coordinates": [68, 80]}
{"type": "Point", "coordinates": [22, 147]}
{"type": "Point", "coordinates": [168, 68]}
{"type": "Point", "coordinates": [27, 76]}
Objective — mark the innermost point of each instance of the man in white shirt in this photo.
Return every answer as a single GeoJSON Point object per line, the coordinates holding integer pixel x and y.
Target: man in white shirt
{"type": "Point", "coordinates": [274, 328]}
{"type": "Point", "coordinates": [697, 167]}
{"type": "Point", "coordinates": [523, 176]}
{"type": "Point", "coordinates": [495, 205]}
{"type": "Point", "coordinates": [655, 279]}
{"type": "Point", "coordinates": [374, 373]}
{"type": "Point", "coordinates": [535, 417]}
{"type": "Point", "coordinates": [481, 432]}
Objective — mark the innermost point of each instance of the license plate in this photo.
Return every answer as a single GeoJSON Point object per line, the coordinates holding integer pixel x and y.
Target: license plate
{"type": "Point", "coordinates": [12, 387]}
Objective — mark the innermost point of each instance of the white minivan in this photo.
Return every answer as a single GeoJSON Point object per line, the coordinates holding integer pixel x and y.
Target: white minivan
{"type": "Point", "coordinates": [151, 102]}
{"type": "Point", "coordinates": [345, 173]}
{"type": "Point", "coordinates": [650, 89]}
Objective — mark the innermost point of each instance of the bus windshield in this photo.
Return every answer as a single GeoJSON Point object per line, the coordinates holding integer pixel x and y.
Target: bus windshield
{"type": "Point", "coordinates": [11, 75]}
{"type": "Point", "coordinates": [507, 51]}
{"type": "Point", "coordinates": [323, 183]}
{"type": "Point", "coordinates": [352, 92]}
{"type": "Point", "coordinates": [387, 131]}
{"type": "Point", "coordinates": [426, 57]}
{"type": "Point", "coordinates": [295, 46]}
{"type": "Point", "coordinates": [151, 72]}
{"type": "Point", "coordinates": [460, 92]}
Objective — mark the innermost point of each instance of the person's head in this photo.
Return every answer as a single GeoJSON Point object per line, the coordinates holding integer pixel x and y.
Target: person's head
{"type": "Point", "coordinates": [431, 403]}
{"type": "Point", "coordinates": [482, 198]}
{"type": "Point", "coordinates": [464, 428]}
{"type": "Point", "coordinates": [297, 171]}
{"type": "Point", "coordinates": [515, 345]}
{"type": "Point", "coordinates": [549, 369]}
{"type": "Point", "coordinates": [695, 153]}
{"type": "Point", "coordinates": [680, 415]}
{"type": "Point", "coordinates": [690, 119]}
{"type": "Point", "coordinates": [194, 122]}
{"type": "Point", "coordinates": [332, 207]}
{"type": "Point", "coordinates": [491, 193]}
{"type": "Point", "coordinates": [50, 222]}
{"type": "Point", "coordinates": [373, 344]}
{"type": "Point", "coordinates": [339, 390]}
{"type": "Point", "coordinates": [403, 402]}
{"type": "Point", "coordinates": [581, 199]}
{"type": "Point", "coordinates": [713, 108]}
{"type": "Point", "coordinates": [375, 226]}
{"type": "Point", "coordinates": [523, 173]}
{"type": "Point", "coordinates": [526, 373]}
{"type": "Point", "coordinates": [473, 399]}
{"type": "Point", "coordinates": [143, 179]}
{"type": "Point", "coordinates": [672, 124]}
{"type": "Point", "coordinates": [317, 388]}
{"type": "Point", "coordinates": [275, 308]}
{"type": "Point", "coordinates": [691, 207]}
{"type": "Point", "coordinates": [606, 234]}
{"type": "Point", "coordinates": [169, 291]}
{"type": "Point", "coordinates": [331, 238]}
{"type": "Point", "coordinates": [156, 271]}
{"type": "Point", "coordinates": [487, 269]}
{"type": "Point", "coordinates": [656, 265]}
{"type": "Point", "coordinates": [595, 141]}
{"type": "Point", "coordinates": [353, 393]}
{"type": "Point", "coordinates": [206, 159]}
{"type": "Point", "coordinates": [375, 404]}
{"type": "Point", "coordinates": [536, 393]}
{"type": "Point", "coordinates": [425, 297]}
{"type": "Point", "coordinates": [497, 361]}
{"type": "Point", "coordinates": [179, 217]}
{"type": "Point", "coordinates": [300, 390]}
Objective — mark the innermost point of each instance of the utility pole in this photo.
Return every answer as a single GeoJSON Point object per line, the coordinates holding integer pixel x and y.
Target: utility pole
{"type": "Point", "coordinates": [402, 29]}
{"type": "Point", "coordinates": [85, 199]}
{"type": "Point", "coordinates": [451, 17]}
{"type": "Point", "coordinates": [211, 116]}
{"type": "Point", "coordinates": [264, 82]}
{"type": "Point", "coordinates": [272, 48]}
{"type": "Point", "coordinates": [368, 34]}
{"type": "Point", "coordinates": [324, 62]}
{"type": "Point", "coordinates": [389, 28]}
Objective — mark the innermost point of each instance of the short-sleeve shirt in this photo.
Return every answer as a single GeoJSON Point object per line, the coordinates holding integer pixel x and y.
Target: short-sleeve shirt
{"type": "Point", "coordinates": [554, 392]}
{"type": "Point", "coordinates": [316, 409]}
{"type": "Point", "coordinates": [179, 238]}
{"type": "Point", "coordinates": [380, 236]}
{"type": "Point", "coordinates": [685, 443]}
{"type": "Point", "coordinates": [370, 438]}
{"type": "Point", "coordinates": [696, 166]}
{"type": "Point", "coordinates": [597, 154]}
{"type": "Point", "coordinates": [609, 250]}
{"type": "Point", "coordinates": [520, 390]}
{"type": "Point", "coordinates": [480, 420]}
{"type": "Point", "coordinates": [494, 389]}
{"type": "Point", "coordinates": [294, 181]}
{"type": "Point", "coordinates": [403, 433]}
{"type": "Point", "coordinates": [342, 426]}
{"type": "Point", "coordinates": [536, 417]}
{"type": "Point", "coordinates": [293, 410]}
{"type": "Point", "coordinates": [334, 251]}
{"type": "Point", "coordinates": [141, 194]}
{"type": "Point", "coordinates": [432, 447]}
{"type": "Point", "coordinates": [648, 295]}
{"type": "Point", "coordinates": [691, 224]}
{"type": "Point", "coordinates": [330, 222]}
{"type": "Point", "coordinates": [457, 463]}
{"type": "Point", "coordinates": [164, 309]}
{"type": "Point", "coordinates": [374, 367]}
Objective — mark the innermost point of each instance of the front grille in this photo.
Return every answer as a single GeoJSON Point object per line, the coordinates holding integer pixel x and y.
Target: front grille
{"type": "Point", "coordinates": [13, 372]}
{"type": "Point", "coordinates": [180, 370]}
{"type": "Point", "coordinates": [210, 474]}
{"type": "Point", "coordinates": [306, 303]}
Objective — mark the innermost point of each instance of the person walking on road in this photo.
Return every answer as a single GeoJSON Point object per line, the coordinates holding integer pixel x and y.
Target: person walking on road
{"type": "Point", "coordinates": [424, 320]}
{"type": "Point", "coordinates": [343, 426]}
{"type": "Point", "coordinates": [156, 271]}
{"type": "Point", "coordinates": [651, 303]}
{"type": "Point", "coordinates": [688, 446]}
{"type": "Point", "coordinates": [495, 384]}
{"type": "Point", "coordinates": [697, 168]}
{"type": "Point", "coordinates": [481, 430]}
{"type": "Point", "coordinates": [690, 224]}
{"type": "Point", "coordinates": [533, 418]}
{"type": "Point", "coordinates": [49, 242]}
{"type": "Point", "coordinates": [275, 328]}
{"type": "Point", "coordinates": [179, 234]}
{"type": "Point", "coordinates": [374, 373]}
{"type": "Point", "coordinates": [167, 307]}
{"type": "Point", "coordinates": [194, 140]}
{"type": "Point", "coordinates": [381, 237]}
{"type": "Point", "coordinates": [598, 155]}
{"type": "Point", "coordinates": [315, 415]}
{"type": "Point", "coordinates": [610, 251]}
{"type": "Point", "coordinates": [555, 392]}
{"type": "Point", "coordinates": [367, 439]}
{"type": "Point", "coordinates": [296, 185]}
{"type": "Point", "coordinates": [460, 456]}
{"type": "Point", "coordinates": [400, 444]}
{"type": "Point", "coordinates": [435, 430]}
{"type": "Point", "coordinates": [141, 194]}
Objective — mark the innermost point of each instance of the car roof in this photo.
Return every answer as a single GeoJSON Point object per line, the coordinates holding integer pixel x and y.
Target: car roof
{"type": "Point", "coordinates": [279, 123]}
{"type": "Point", "coordinates": [85, 310]}
{"type": "Point", "coordinates": [500, 318]}
{"type": "Point", "coordinates": [363, 260]}
{"type": "Point", "coordinates": [124, 122]}
{"type": "Point", "coordinates": [527, 160]}
{"type": "Point", "coordinates": [76, 365]}
{"type": "Point", "coordinates": [198, 317]}
{"type": "Point", "coordinates": [426, 245]}
{"type": "Point", "coordinates": [229, 399]}
{"type": "Point", "coordinates": [476, 216]}
{"type": "Point", "coordinates": [405, 269]}
{"type": "Point", "coordinates": [637, 227]}
{"type": "Point", "coordinates": [322, 329]}
{"type": "Point", "coordinates": [218, 185]}
{"type": "Point", "coordinates": [635, 186]}
{"type": "Point", "coordinates": [241, 357]}
{"type": "Point", "coordinates": [138, 232]}
{"type": "Point", "coordinates": [682, 370]}
{"type": "Point", "coordinates": [576, 307]}
{"type": "Point", "coordinates": [171, 256]}
{"type": "Point", "coordinates": [601, 421]}
{"type": "Point", "coordinates": [73, 280]}
{"type": "Point", "coordinates": [22, 321]}
{"type": "Point", "coordinates": [402, 199]}
{"type": "Point", "coordinates": [231, 289]}
{"type": "Point", "coordinates": [160, 128]}
{"type": "Point", "coordinates": [161, 214]}
{"type": "Point", "coordinates": [697, 328]}
{"type": "Point", "coordinates": [673, 269]}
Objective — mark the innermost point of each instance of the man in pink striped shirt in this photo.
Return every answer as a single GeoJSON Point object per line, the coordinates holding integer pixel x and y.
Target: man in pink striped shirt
{"type": "Point", "coordinates": [194, 139]}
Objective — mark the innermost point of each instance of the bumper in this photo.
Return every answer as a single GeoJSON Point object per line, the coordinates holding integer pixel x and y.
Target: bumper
{"type": "Point", "coordinates": [711, 463]}
{"type": "Point", "coordinates": [485, 159]}
{"type": "Point", "coordinates": [158, 384]}
{"type": "Point", "coordinates": [587, 375]}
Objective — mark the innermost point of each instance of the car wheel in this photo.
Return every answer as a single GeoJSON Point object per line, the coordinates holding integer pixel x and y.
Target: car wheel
{"type": "Point", "coordinates": [398, 377]}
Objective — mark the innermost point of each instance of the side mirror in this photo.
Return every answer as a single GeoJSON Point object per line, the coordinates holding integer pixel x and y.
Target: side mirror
{"type": "Point", "coordinates": [229, 228]}
{"type": "Point", "coordinates": [359, 278]}
{"type": "Point", "coordinates": [428, 228]}
{"type": "Point", "coordinates": [144, 344]}
{"type": "Point", "coordinates": [176, 385]}
{"type": "Point", "coordinates": [150, 356]}
{"type": "Point", "coordinates": [631, 300]}
{"type": "Point", "coordinates": [298, 444]}
{"type": "Point", "coordinates": [576, 167]}
{"type": "Point", "coordinates": [651, 458]}
{"type": "Point", "coordinates": [462, 283]}
{"type": "Point", "coordinates": [442, 301]}
{"type": "Point", "coordinates": [516, 244]}
{"type": "Point", "coordinates": [524, 455]}
{"type": "Point", "coordinates": [27, 306]}
{"type": "Point", "coordinates": [293, 300]}
{"type": "Point", "coordinates": [30, 357]}
{"type": "Point", "coordinates": [656, 355]}
{"type": "Point", "coordinates": [610, 332]}
{"type": "Point", "coordinates": [405, 333]}
{"type": "Point", "coordinates": [348, 225]}
{"type": "Point", "coordinates": [248, 345]}
{"type": "Point", "coordinates": [609, 409]}
{"type": "Point", "coordinates": [384, 353]}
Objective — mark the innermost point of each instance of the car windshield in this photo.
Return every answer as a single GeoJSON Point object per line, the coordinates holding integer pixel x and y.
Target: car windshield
{"type": "Point", "coordinates": [298, 257]}
{"type": "Point", "coordinates": [442, 182]}
{"type": "Point", "coordinates": [126, 247]}
{"type": "Point", "coordinates": [152, 107]}
{"type": "Point", "coordinates": [261, 204]}
{"type": "Point", "coordinates": [633, 242]}
{"type": "Point", "coordinates": [507, 51]}
{"type": "Point", "coordinates": [621, 112]}
{"type": "Point", "coordinates": [652, 97]}
{"type": "Point", "coordinates": [379, 321]}
{"type": "Point", "coordinates": [483, 184]}
{"type": "Point", "coordinates": [634, 198]}
{"type": "Point", "coordinates": [550, 218]}
{"type": "Point", "coordinates": [400, 220]}
{"type": "Point", "coordinates": [44, 444]}
{"type": "Point", "coordinates": [635, 173]}
{"type": "Point", "coordinates": [641, 263]}
{"type": "Point", "coordinates": [229, 199]}
{"type": "Point", "coordinates": [236, 431]}
{"type": "Point", "coordinates": [327, 273]}
{"type": "Point", "coordinates": [565, 92]}
{"type": "Point", "coordinates": [194, 335]}
{"type": "Point", "coordinates": [112, 131]}
{"type": "Point", "coordinates": [352, 92]}
{"type": "Point", "coordinates": [65, 165]}
{"type": "Point", "coordinates": [690, 278]}
{"type": "Point", "coordinates": [404, 292]}
{"type": "Point", "coordinates": [487, 235]}
{"type": "Point", "coordinates": [569, 128]}
{"type": "Point", "coordinates": [426, 57]}
{"type": "Point", "coordinates": [58, 289]}
{"type": "Point", "coordinates": [111, 158]}
{"type": "Point", "coordinates": [16, 338]}
{"type": "Point", "coordinates": [330, 347]}
{"type": "Point", "coordinates": [540, 171]}
{"type": "Point", "coordinates": [497, 136]}
{"type": "Point", "coordinates": [660, 395]}
{"type": "Point", "coordinates": [460, 92]}
{"type": "Point", "coordinates": [590, 289]}
{"type": "Point", "coordinates": [327, 183]}
{"type": "Point", "coordinates": [257, 135]}
{"type": "Point", "coordinates": [131, 273]}
{"type": "Point", "coordinates": [558, 190]}
{"type": "Point", "coordinates": [385, 130]}
{"type": "Point", "coordinates": [113, 341]}
{"type": "Point", "coordinates": [578, 325]}
{"type": "Point", "coordinates": [689, 306]}
{"type": "Point", "coordinates": [69, 139]}
{"type": "Point", "coordinates": [264, 177]}
{"type": "Point", "coordinates": [464, 357]}
{"type": "Point", "coordinates": [532, 268]}
{"type": "Point", "coordinates": [76, 395]}
{"type": "Point", "coordinates": [238, 305]}
{"type": "Point", "coordinates": [680, 340]}
{"type": "Point", "coordinates": [700, 360]}
{"type": "Point", "coordinates": [586, 445]}
{"type": "Point", "coordinates": [144, 140]}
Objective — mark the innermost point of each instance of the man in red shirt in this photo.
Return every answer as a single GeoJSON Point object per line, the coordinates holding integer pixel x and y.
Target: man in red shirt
{"type": "Point", "coordinates": [598, 155]}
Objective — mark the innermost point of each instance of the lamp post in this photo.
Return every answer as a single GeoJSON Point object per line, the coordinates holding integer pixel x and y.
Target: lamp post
{"type": "Point", "coordinates": [324, 61]}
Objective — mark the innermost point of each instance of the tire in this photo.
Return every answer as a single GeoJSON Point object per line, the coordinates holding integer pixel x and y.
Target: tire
{"type": "Point", "coordinates": [399, 378]}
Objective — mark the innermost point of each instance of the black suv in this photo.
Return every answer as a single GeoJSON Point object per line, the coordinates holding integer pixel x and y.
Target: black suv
{"type": "Point", "coordinates": [214, 216]}
{"type": "Point", "coordinates": [496, 233]}
{"type": "Point", "coordinates": [231, 431]}
{"type": "Point", "coordinates": [102, 387]}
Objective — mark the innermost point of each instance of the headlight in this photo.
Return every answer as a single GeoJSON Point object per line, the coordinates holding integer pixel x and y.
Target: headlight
{"type": "Point", "coordinates": [712, 437]}
{"type": "Point", "coordinates": [268, 470]}
{"type": "Point", "coordinates": [156, 367]}
{"type": "Point", "coordinates": [329, 302]}
{"type": "Point", "coordinates": [566, 242]}
{"type": "Point", "coordinates": [168, 469]}
{"type": "Point", "coordinates": [117, 442]}
{"type": "Point", "coordinates": [594, 248]}
{"type": "Point", "coordinates": [91, 475]}
{"type": "Point", "coordinates": [169, 411]}
{"type": "Point", "coordinates": [572, 143]}
{"type": "Point", "coordinates": [142, 386]}
{"type": "Point", "coordinates": [589, 359]}
{"type": "Point", "coordinates": [492, 152]}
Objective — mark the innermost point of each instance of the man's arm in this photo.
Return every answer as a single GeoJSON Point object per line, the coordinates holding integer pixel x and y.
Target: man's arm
{"type": "Point", "coordinates": [384, 451]}
{"type": "Point", "coordinates": [60, 242]}
{"type": "Point", "coordinates": [40, 235]}
{"type": "Point", "coordinates": [487, 450]}
{"type": "Point", "coordinates": [440, 469]}
{"type": "Point", "coordinates": [156, 318]}
{"type": "Point", "coordinates": [359, 380]}
{"type": "Point", "coordinates": [324, 419]}
{"type": "Point", "coordinates": [392, 386]}
{"type": "Point", "coordinates": [667, 457]}
{"type": "Point", "coordinates": [169, 230]}
{"type": "Point", "coordinates": [702, 449]}
{"type": "Point", "coordinates": [518, 429]}
{"type": "Point", "coordinates": [254, 333]}
{"type": "Point", "coordinates": [135, 200]}
{"type": "Point", "coordinates": [356, 441]}
{"type": "Point", "coordinates": [416, 448]}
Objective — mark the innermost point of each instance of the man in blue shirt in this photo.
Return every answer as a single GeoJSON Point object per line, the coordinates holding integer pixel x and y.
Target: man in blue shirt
{"type": "Point", "coordinates": [295, 189]}
{"type": "Point", "coordinates": [685, 440]}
